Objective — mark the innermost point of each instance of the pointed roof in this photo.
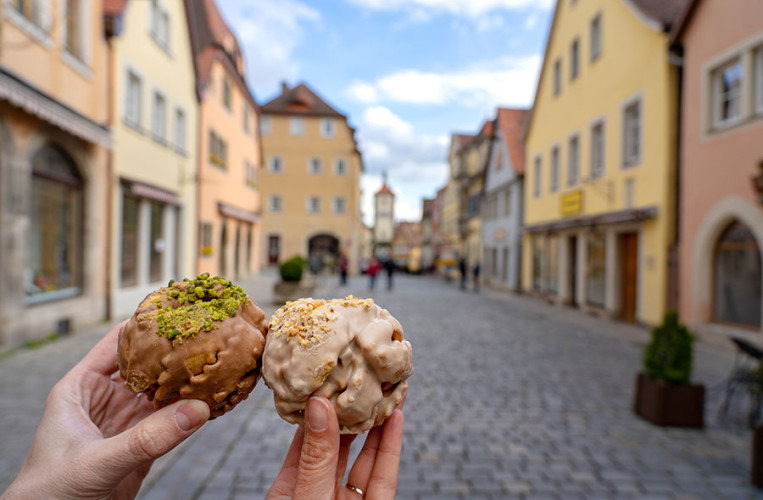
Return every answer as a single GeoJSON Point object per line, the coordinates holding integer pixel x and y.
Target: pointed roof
{"type": "Point", "coordinates": [384, 190]}
{"type": "Point", "coordinates": [510, 121]}
{"type": "Point", "coordinates": [300, 100]}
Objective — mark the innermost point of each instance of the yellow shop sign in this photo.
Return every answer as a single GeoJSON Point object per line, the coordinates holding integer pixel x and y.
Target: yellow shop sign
{"type": "Point", "coordinates": [572, 203]}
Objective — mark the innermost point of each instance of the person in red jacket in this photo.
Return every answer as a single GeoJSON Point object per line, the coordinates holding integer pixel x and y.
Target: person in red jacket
{"type": "Point", "coordinates": [373, 270]}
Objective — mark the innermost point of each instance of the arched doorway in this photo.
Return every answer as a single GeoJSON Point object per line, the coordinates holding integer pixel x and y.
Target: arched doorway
{"type": "Point", "coordinates": [323, 251]}
{"type": "Point", "coordinates": [737, 272]}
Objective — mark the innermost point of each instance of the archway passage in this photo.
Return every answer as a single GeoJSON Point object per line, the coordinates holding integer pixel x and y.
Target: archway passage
{"type": "Point", "coordinates": [323, 251]}
{"type": "Point", "coordinates": [737, 286]}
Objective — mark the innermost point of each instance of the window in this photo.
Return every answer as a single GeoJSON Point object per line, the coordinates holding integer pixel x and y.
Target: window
{"type": "Point", "coordinates": [597, 150]}
{"type": "Point", "coordinates": [227, 95]}
{"type": "Point", "coordinates": [266, 125]}
{"type": "Point", "coordinates": [129, 257]}
{"type": "Point", "coordinates": [595, 37]}
{"type": "Point", "coordinates": [575, 59]}
{"type": "Point", "coordinates": [507, 201]}
{"type": "Point", "coordinates": [218, 150]}
{"type": "Point", "coordinates": [314, 166]}
{"type": "Point", "coordinates": [275, 203]}
{"type": "Point", "coordinates": [313, 204]}
{"type": "Point", "coordinates": [557, 76]}
{"type": "Point", "coordinates": [737, 276]}
{"type": "Point", "coordinates": [75, 29]}
{"type": "Point", "coordinates": [552, 264]}
{"type": "Point", "coordinates": [246, 114]}
{"type": "Point", "coordinates": [275, 165]}
{"type": "Point", "coordinates": [54, 238]}
{"type": "Point", "coordinates": [340, 167]}
{"type": "Point", "coordinates": [632, 134]}
{"type": "Point", "coordinates": [156, 252]}
{"type": "Point", "coordinates": [180, 130]}
{"type": "Point", "coordinates": [250, 173]}
{"type": "Point", "coordinates": [596, 269]}
{"type": "Point", "coordinates": [32, 10]}
{"type": "Point", "coordinates": [274, 248]}
{"type": "Point", "coordinates": [328, 127]}
{"type": "Point", "coordinates": [554, 169]}
{"type": "Point", "coordinates": [133, 99]}
{"type": "Point", "coordinates": [537, 177]}
{"type": "Point", "coordinates": [297, 126]}
{"type": "Point", "coordinates": [159, 118]}
{"type": "Point", "coordinates": [727, 93]}
{"type": "Point", "coordinates": [160, 25]}
{"type": "Point", "coordinates": [537, 261]}
{"type": "Point", "coordinates": [573, 172]}
{"type": "Point", "coordinates": [339, 205]}
{"type": "Point", "coordinates": [206, 238]}
{"type": "Point", "coordinates": [759, 79]}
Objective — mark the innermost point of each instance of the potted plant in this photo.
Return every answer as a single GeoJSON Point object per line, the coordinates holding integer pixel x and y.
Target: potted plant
{"type": "Point", "coordinates": [294, 283]}
{"type": "Point", "coordinates": [664, 395]}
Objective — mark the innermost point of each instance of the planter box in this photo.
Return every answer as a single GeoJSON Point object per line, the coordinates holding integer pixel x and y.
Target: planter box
{"type": "Point", "coordinates": [672, 405]}
{"type": "Point", "coordinates": [290, 290]}
{"type": "Point", "coordinates": [756, 469]}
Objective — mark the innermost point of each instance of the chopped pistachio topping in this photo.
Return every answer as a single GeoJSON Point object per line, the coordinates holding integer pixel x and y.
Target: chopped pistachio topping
{"type": "Point", "coordinates": [194, 305]}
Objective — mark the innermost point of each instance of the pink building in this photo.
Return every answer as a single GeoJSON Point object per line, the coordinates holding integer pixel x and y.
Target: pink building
{"type": "Point", "coordinates": [721, 175]}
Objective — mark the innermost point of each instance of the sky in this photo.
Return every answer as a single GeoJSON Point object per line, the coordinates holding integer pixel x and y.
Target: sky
{"type": "Point", "coordinates": [407, 73]}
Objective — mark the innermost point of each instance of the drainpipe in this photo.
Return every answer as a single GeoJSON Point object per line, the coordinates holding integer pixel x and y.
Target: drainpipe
{"type": "Point", "coordinates": [109, 175]}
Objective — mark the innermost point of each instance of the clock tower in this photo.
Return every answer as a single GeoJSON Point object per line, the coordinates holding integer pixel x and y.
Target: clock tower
{"type": "Point", "coordinates": [384, 220]}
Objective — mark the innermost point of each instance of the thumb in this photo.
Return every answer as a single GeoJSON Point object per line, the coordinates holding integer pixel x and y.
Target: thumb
{"type": "Point", "coordinates": [152, 437]}
{"type": "Point", "coordinates": [320, 451]}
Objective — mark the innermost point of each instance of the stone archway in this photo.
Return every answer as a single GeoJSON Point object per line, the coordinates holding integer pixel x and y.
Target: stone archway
{"type": "Point", "coordinates": [323, 252]}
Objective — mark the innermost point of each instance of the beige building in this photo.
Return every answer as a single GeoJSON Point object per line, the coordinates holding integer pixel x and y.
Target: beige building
{"type": "Point", "coordinates": [230, 153]}
{"type": "Point", "coordinates": [311, 182]}
{"type": "Point", "coordinates": [155, 165]}
{"type": "Point", "coordinates": [53, 168]}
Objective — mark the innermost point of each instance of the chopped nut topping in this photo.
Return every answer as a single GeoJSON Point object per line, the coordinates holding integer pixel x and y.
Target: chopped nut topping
{"type": "Point", "coordinates": [308, 320]}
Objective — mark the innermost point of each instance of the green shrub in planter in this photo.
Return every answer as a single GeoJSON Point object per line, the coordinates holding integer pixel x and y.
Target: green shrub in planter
{"type": "Point", "coordinates": [299, 260]}
{"type": "Point", "coordinates": [291, 271]}
{"type": "Point", "coordinates": [668, 356]}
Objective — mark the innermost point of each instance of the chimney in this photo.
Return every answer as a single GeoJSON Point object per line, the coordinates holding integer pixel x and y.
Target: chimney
{"type": "Point", "coordinates": [284, 86]}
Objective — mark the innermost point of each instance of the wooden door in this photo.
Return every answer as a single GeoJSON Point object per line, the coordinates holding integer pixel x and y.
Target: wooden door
{"type": "Point", "coordinates": [629, 277]}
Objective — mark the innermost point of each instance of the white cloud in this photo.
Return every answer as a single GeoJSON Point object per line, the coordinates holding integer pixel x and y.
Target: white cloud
{"type": "Point", "coordinates": [467, 8]}
{"type": "Point", "coordinates": [531, 21]}
{"type": "Point", "coordinates": [507, 81]}
{"type": "Point", "coordinates": [269, 31]}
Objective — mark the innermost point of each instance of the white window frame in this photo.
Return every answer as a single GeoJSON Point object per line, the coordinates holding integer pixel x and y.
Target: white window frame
{"type": "Point", "coordinates": [80, 62]}
{"type": "Point", "coordinates": [266, 125]}
{"type": "Point", "coordinates": [135, 108]}
{"type": "Point", "coordinates": [272, 162]}
{"type": "Point", "coordinates": [573, 175]}
{"type": "Point", "coordinates": [314, 166]}
{"type": "Point", "coordinates": [159, 135]}
{"type": "Point", "coordinates": [337, 162]}
{"type": "Point", "coordinates": [592, 173]}
{"type": "Point", "coordinates": [717, 97]}
{"type": "Point", "coordinates": [159, 25]}
{"type": "Point", "coordinates": [40, 28]}
{"type": "Point", "coordinates": [339, 205]}
{"type": "Point", "coordinates": [275, 203]}
{"type": "Point", "coordinates": [757, 80]}
{"type": "Point", "coordinates": [537, 175]}
{"type": "Point", "coordinates": [627, 160]}
{"type": "Point", "coordinates": [313, 208]}
{"type": "Point", "coordinates": [250, 174]}
{"type": "Point", "coordinates": [596, 37]}
{"type": "Point", "coordinates": [297, 126]}
{"type": "Point", "coordinates": [181, 129]}
{"type": "Point", "coordinates": [328, 128]}
{"type": "Point", "coordinates": [554, 168]}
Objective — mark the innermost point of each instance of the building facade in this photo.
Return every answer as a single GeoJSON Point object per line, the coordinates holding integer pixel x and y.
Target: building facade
{"type": "Point", "coordinates": [384, 221]}
{"type": "Point", "coordinates": [311, 182]}
{"type": "Point", "coordinates": [155, 164]}
{"type": "Point", "coordinates": [53, 168]}
{"type": "Point", "coordinates": [600, 173]}
{"type": "Point", "coordinates": [503, 202]}
{"type": "Point", "coordinates": [230, 153]}
{"type": "Point", "coordinates": [427, 235]}
{"type": "Point", "coordinates": [721, 187]}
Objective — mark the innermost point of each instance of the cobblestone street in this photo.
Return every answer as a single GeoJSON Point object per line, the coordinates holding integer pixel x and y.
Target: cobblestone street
{"type": "Point", "coordinates": [510, 398]}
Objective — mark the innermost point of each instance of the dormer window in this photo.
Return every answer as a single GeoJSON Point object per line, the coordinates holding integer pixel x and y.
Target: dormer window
{"type": "Point", "coordinates": [328, 128]}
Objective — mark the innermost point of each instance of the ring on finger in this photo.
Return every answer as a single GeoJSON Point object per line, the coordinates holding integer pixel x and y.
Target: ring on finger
{"type": "Point", "coordinates": [357, 490]}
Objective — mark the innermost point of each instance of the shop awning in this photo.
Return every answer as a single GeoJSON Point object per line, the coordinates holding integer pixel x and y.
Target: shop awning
{"type": "Point", "coordinates": [620, 217]}
{"type": "Point", "coordinates": [237, 213]}
{"type": "Point", "coordinates": [144, 190]}
{"type": "Point", "coordinates": [24, 96]}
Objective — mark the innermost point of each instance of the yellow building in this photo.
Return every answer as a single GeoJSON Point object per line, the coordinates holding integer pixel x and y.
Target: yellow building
{"type": "Point", "coordinates": [155, 162]}
{"type": "Point", "coordinates": [54, 150]}
{"type": "Point", "coordinates": [601, 159]}
{"type": "Point", "coordinates": [230, 154]}
{"type": "Point", "coordinates": [311, 185]}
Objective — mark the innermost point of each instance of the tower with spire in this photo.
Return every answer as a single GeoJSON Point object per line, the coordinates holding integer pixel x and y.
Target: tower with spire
{"type": "Point", "coordinates": [384, 219]}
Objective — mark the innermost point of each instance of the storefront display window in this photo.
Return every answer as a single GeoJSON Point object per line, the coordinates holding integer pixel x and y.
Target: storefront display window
{"type": "Point", "coordinates": [156, 263]}
{"type": "Point", "coordinates": [596, 269]}
{"type": "Point", "coordinates": [553, 264]}
{"type": "Point", "coordinates": [537, 249]}
{"type": "Point", "coordinates": [129, 258]}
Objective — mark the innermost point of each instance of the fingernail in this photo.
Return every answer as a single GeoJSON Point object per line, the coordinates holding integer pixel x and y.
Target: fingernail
{"type": "Point", "coordinates": [191, 414]}
{"type": "Point", "coordinates": [317, 415]}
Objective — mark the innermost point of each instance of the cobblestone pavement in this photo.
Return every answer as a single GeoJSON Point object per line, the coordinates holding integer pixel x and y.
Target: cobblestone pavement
{"type": "Point", "coordinates": [510, 399]}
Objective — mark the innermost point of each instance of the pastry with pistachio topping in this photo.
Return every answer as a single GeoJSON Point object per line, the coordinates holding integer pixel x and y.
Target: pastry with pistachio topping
{"type": "Point", "coordinates": [349, 350]}
{"type": "Point", "coordinates": [194, 339]}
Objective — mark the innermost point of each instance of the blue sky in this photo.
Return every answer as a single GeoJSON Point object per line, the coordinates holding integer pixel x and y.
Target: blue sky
{"type": "Point", "coordinates": [407, 73]}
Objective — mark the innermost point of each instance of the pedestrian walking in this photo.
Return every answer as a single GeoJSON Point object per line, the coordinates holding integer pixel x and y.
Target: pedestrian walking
{"type": "Point", "coordinates": [373, 270]}
{"type": "Point", "coordinates": [462, 270]}
{"type": "Point", "coordinates": [343, 264]}
{"type": "Point", "coordinates": [389, 266]}
{"type": "Point", "coordinates": [476, 272]}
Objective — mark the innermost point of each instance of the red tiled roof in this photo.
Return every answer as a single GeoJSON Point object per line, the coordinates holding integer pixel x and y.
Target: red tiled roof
{"type": "Point", "coordinates": [300, 100]}
{"type": "Point", "coordinates": [114, 7]}
{"type": "Point", "coordinates": [510, 122]}
{"type": "Point", "coordinates": [385, 190]}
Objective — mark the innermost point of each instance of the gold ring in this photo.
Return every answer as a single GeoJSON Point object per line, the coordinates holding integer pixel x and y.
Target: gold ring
{"type": "Point", "coordinates": [355, 489]}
